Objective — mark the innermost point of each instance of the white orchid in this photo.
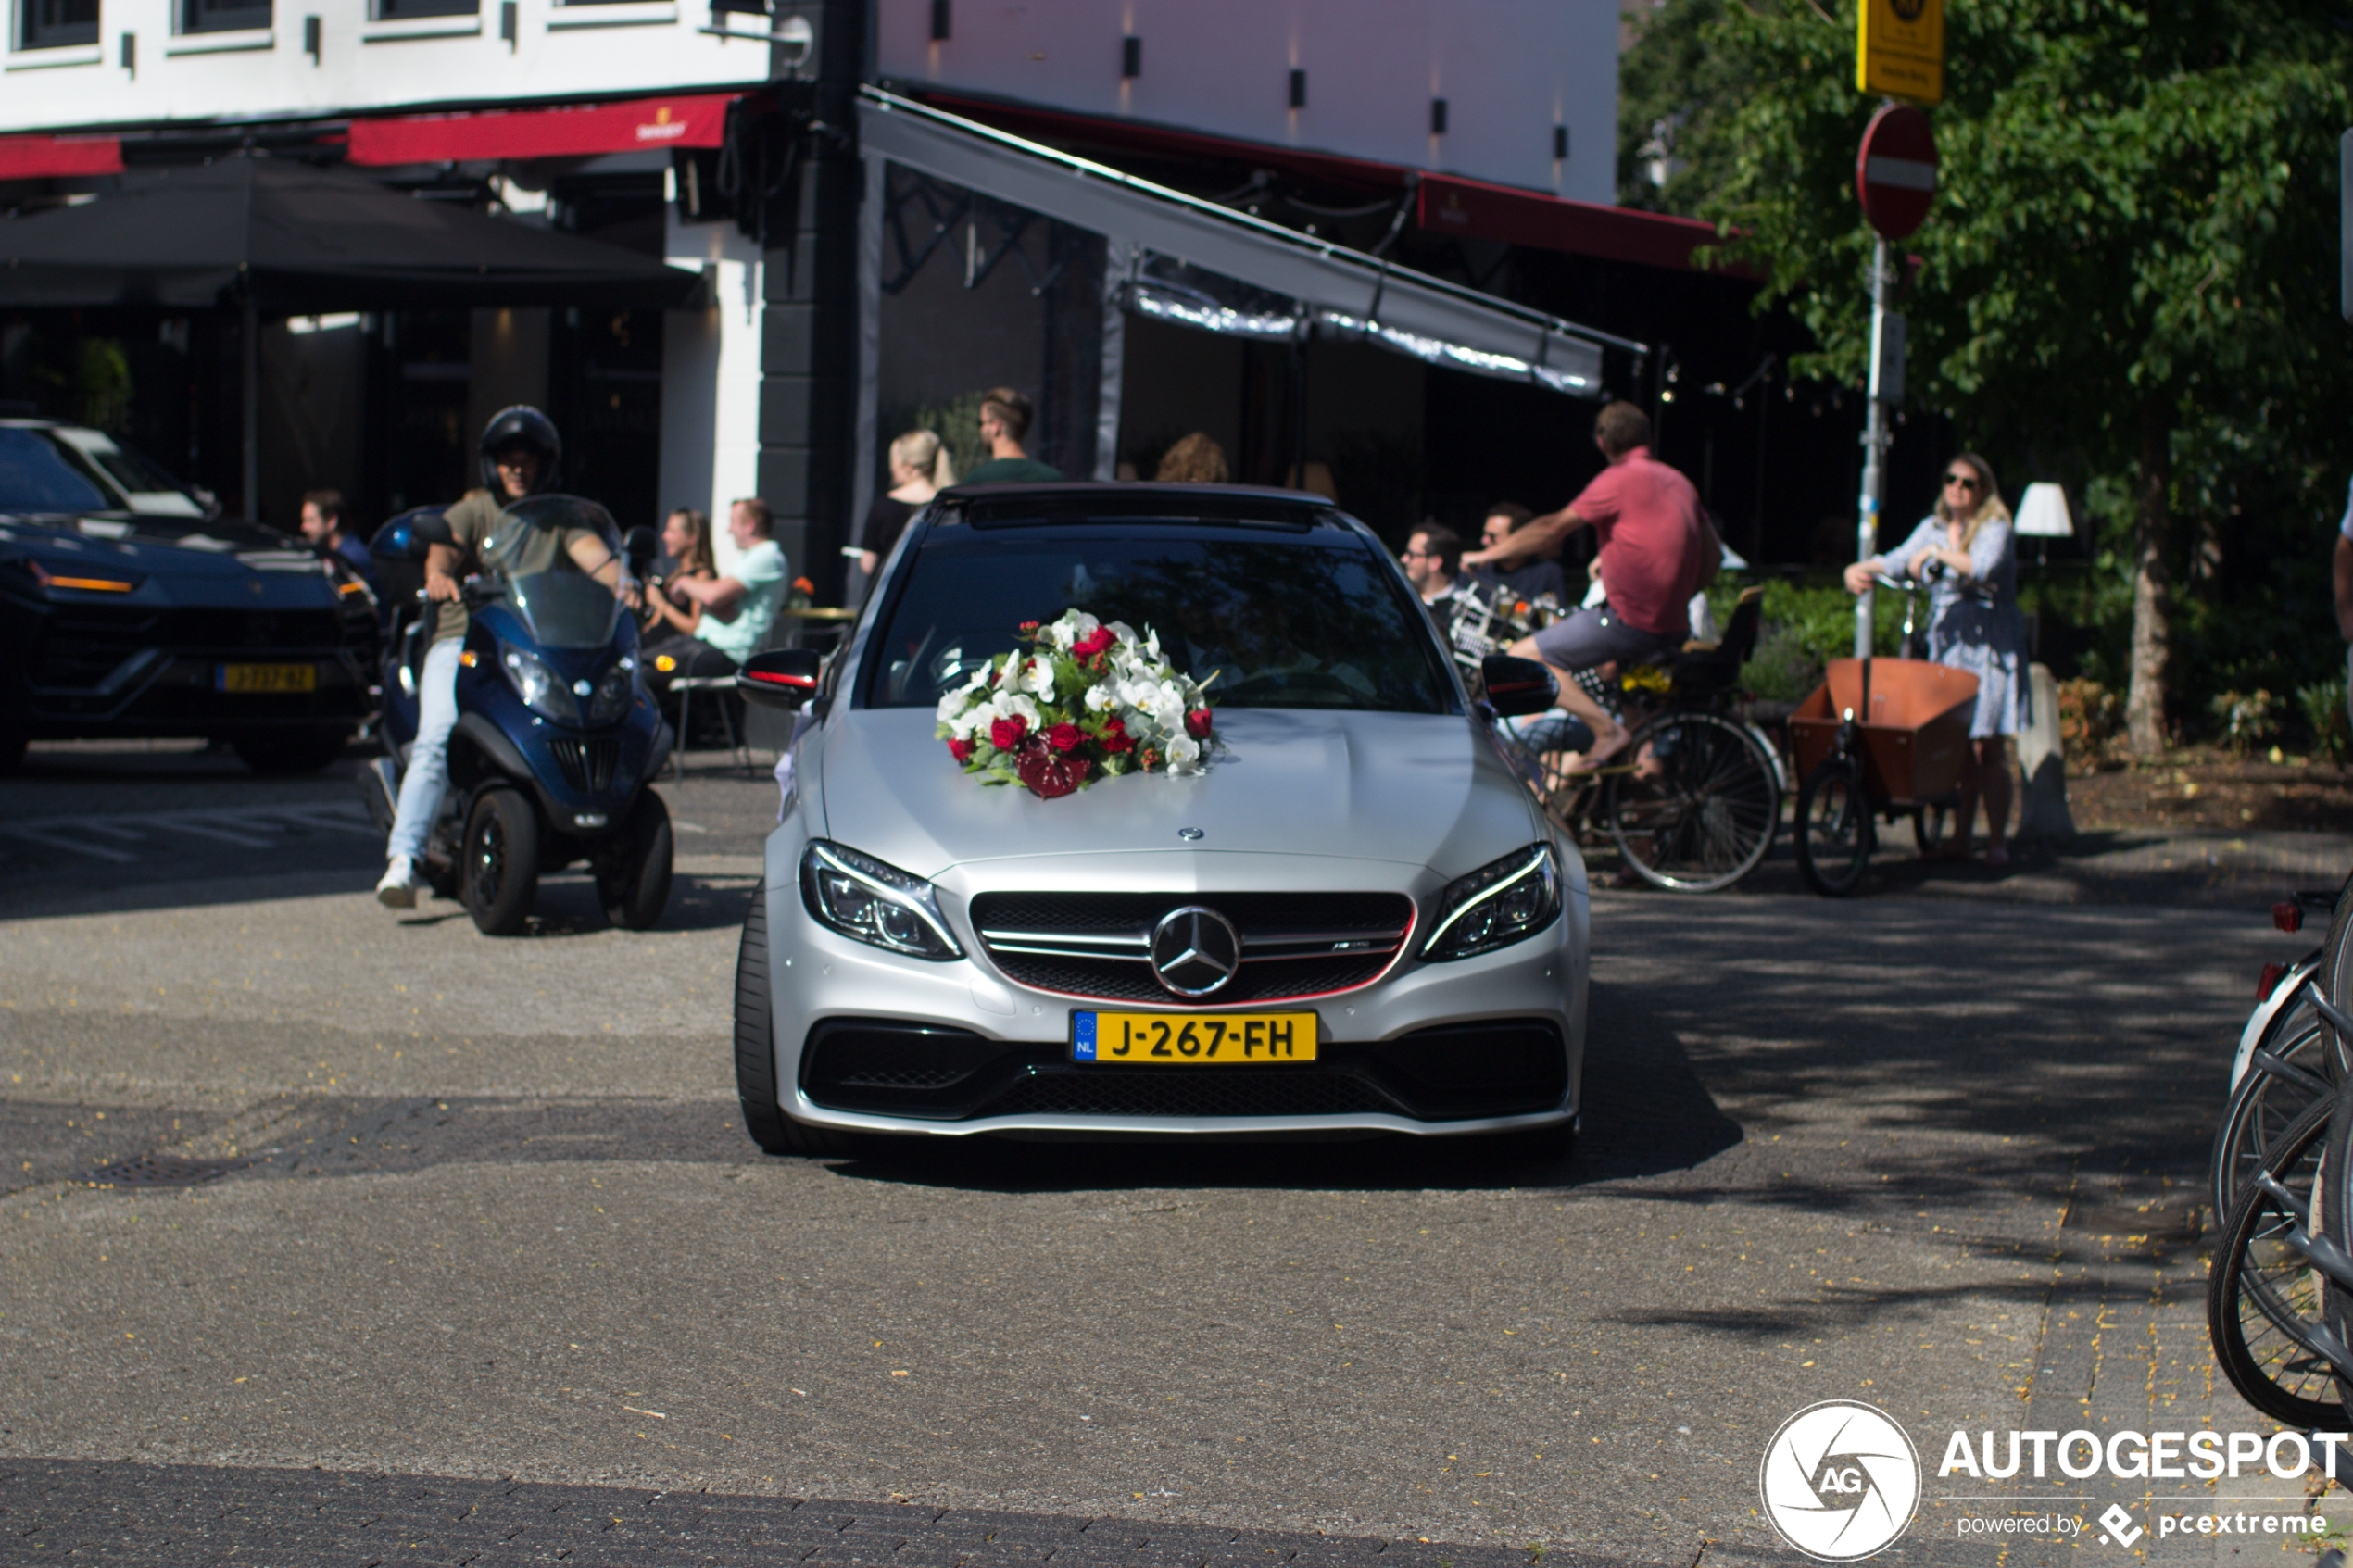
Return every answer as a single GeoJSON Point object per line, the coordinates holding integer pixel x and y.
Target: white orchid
{"type": "Point", "coordinates": [1038, 678]}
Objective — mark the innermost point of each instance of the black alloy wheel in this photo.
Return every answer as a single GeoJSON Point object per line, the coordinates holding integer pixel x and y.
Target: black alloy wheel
{"type": "Point", "coordinates": [2264, 1298]}
{"type": "Point", "coordinates": [1834, 833]}
{"type": "Point", "coordinates": [633, 879]}
{"type": "Point", "coordinates": [499, 869]}
{"type": "Point", "coordinates": [756, 1084]}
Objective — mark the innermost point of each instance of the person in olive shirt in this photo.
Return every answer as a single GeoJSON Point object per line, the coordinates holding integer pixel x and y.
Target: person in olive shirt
{"type": "Point", "coordinates": [519, 454]}
{"type": "Point", "coordinates": [1004, 420]}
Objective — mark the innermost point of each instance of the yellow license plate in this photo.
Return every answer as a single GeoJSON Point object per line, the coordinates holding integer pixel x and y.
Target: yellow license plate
{"type": "Point", "coordinates": [1181, 1039]}
{"type": "Point", "coordinates": [268, 677]}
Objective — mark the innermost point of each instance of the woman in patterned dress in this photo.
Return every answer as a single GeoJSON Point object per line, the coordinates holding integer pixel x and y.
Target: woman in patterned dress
{"type": "Point", "coordinates": [1968, 553]}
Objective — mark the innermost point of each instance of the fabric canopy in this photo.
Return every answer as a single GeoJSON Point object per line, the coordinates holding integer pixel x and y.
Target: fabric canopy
{"type": "Point", "coordinates": [52, 157]}
{"type": "Point", "coordinates": [579, 131]}
{"type": "Point", "coordinates": [284, 238]}
{"type": "Point", "coordinates": [1325, 288]}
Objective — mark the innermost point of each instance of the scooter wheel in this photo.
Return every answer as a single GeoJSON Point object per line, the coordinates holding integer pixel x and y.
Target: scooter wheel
{"type": "Point", "coordinates": [634, 884]}
{"type": "Point", "coordinates": [500, 869]}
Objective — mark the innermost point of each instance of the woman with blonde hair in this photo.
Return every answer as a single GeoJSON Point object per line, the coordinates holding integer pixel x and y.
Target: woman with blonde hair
{"type": "Point", "coordinates": [920, 468]}
{"type": "Point", "coordinates": [1197, 459]}
{"type": "Point", "coordinates": [1966, 553]}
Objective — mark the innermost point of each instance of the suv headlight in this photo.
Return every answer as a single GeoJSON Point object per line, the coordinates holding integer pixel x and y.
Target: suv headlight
{"type": "Point", "coordinates": [614, 692]}
{"type": "Point", "coordinates": [861, 898]}
{"type": "Point", "coordinates": [538, 686]}
{"type": "Point", "coordinates": [1502, 902]}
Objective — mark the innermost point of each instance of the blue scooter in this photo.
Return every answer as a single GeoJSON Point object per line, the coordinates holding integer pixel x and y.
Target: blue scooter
{"type": "Point", "coordinates": [556, 735]}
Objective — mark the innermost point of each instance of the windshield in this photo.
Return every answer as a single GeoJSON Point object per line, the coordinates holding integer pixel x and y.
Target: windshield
{"type": "Point", "coordinates": [35, 477]}
{"type": "Point", "coordinates": [547, 548]}
{"type": "Point", "coordinates": [1308, 620]}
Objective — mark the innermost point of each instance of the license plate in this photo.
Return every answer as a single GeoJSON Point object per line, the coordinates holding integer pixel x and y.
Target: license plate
{"type": "Point", "coordinates": [268, 677]}
{"type": "Point", "coordinates": [1177, 1039]}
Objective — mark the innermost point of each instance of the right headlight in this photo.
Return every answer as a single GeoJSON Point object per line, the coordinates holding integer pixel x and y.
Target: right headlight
{"type": "Point", "coordinates": [863, 898]}
{"type": "Point", "coordinates": [541, 689]}
{"type": "Point", "coordinates": [1502, 902]}
{"type": "Point", "coordinates": [615, 692]}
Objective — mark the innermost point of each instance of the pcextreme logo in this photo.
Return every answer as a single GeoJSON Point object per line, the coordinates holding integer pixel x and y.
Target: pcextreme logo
{"type": "Point", "coordinates": [1840, 1480]}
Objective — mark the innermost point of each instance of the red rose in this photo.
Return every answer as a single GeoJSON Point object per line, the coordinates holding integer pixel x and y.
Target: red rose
{"type": "Point", "coordinates": [1197, 723]}
{"type": "Point", "coordinates": [1005, 733]}
{"type": "Point", "coordinates": [1064, 737]}
{"type": "Point", "coordinates": [962, 750]}
{"type": "Point", "coordinates": [1098, 641]}
{"type": "Point", "coordinates": [1047, 775]}
{"type": "Point", "coordinates": [1116, 739]}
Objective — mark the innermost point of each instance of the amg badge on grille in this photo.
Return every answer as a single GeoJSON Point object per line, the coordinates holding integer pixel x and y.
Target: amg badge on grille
{"type": "Point", "coordinates": [1195, 951]}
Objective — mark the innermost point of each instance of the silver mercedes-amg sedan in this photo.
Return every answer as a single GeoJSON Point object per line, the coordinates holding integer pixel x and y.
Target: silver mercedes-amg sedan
{"type": "Point", "coordinates": [1352, 921]}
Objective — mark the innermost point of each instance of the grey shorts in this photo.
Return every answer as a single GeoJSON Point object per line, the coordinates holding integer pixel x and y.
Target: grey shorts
{"type": "Point", "coordinates": [1595, 635]}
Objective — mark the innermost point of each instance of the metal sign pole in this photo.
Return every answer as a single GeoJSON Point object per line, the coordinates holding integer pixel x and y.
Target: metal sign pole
{"type": "Point", "coordinates": [1874, 448]}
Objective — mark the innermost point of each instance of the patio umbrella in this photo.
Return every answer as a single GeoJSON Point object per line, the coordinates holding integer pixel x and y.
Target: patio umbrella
{"type": "Point", "coordinates": [280, 238]}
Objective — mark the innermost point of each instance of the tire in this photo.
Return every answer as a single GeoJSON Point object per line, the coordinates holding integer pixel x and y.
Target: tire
{"type": "Point", "coordinates": [303, 751]}
{"type": "Point", "coordinates": [633, 884]}
{"type": "Point", "coordinates": [1708, 815]}
{"type": "Point", "coordinates": [1834, 834]}
{"type": "Point", "coordinates": [2262, 1290]}
{"type": "Point", "coordinates": [498, 872]}
{"type": "Point", "coordinates": [756, 1087]}
{"type": "Point", "coordinates": [2268, 1100]}
{"type": "Point", "coordinates": [1931, 827]}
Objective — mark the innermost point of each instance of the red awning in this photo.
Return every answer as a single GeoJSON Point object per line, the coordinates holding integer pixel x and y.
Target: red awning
{"type": "Point", "coordinates": [50, 158]}
{"type": "Point", "coordinates": [580, 130]}
{"type": "Point", "coordinates": [1451, 205]}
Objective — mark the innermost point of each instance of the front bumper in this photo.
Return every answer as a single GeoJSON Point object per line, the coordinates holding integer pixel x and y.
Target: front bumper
{"type": "Point", "coordinates": [869, 1040]}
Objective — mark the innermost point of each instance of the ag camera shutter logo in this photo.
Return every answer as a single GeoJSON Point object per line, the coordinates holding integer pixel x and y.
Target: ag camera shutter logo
{"type": "Point", "coordinates": [1840, 1480]}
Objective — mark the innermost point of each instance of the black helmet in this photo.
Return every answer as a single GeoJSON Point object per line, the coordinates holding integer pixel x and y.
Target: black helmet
{"type": "Point", "coordinates": [521, 425]}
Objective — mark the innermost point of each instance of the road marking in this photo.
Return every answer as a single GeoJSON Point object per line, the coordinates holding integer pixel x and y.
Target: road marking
{"type": "Point", "coordinates": [248, 827]}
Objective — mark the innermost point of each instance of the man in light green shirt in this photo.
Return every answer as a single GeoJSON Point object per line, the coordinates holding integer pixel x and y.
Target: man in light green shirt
{"type": "Point", "coordinates": [739, 609]}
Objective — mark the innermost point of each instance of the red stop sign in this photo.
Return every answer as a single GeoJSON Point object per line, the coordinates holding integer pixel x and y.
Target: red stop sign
{"type": "Point", "coordinates": [1895, 169]}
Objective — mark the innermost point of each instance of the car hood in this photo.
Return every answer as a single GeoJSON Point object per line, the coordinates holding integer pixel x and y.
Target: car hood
{"type": "Point", "coordinates": [1418, 789]}
{"type": "Point", "coordinates": [183, 560]}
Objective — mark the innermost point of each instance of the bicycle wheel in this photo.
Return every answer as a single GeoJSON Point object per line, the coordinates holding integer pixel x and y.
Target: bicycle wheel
{"type": "Point", "coordinates": [1834, 833]}
{"type": "Point", "coordinates": [1700, 805]}
{"type": "Point", "coordinates": [2292, 1067]}
{"type": "Point", "coordinates": [2263, 1299]}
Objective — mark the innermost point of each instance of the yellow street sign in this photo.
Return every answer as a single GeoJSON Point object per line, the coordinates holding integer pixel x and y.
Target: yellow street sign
{"type": "Point", "coordinates": [1899, 49]}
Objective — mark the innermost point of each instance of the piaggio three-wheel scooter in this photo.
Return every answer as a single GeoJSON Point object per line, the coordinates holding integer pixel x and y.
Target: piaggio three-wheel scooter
{"type": "Point", "coordinates": [557, 737]}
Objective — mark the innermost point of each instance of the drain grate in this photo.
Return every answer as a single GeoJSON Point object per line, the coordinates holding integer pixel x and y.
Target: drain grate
{"type": "Point", "coordinates": [162, 1170]}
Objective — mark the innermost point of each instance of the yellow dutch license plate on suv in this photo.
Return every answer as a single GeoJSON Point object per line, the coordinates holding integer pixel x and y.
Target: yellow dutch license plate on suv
{"type": "Point", "coordinates": [266, 678]}
{"type": "Point", "coordinates": [1175, 1039]}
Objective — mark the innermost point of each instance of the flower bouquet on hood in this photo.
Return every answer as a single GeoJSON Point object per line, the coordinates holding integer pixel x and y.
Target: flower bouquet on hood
{"type": "Point", "coordinates": [1085, 699]}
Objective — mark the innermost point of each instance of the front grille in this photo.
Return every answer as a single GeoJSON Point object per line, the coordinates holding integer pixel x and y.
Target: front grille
{"type": "Point", "coordinates": [1093, 943]}
{"type": "Point", "coordinates": [589, 765]}
{"type": "Point", "coordinates": [1190, 1091]}
{"type": "Point", "coordinates": [81, 645]}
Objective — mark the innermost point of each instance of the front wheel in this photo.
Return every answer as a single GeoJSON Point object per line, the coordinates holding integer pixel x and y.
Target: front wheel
{"type": "Point", "coordinates": [1834, 834]}
{"type": "Point", "coordinates": [633, 882]}
{"type": "Point", "coordinates": [1698, 808]}
{"type": "Point", "coordinates": [755, 1084]}
{"type": "Point", "coordinates": [500, 868]}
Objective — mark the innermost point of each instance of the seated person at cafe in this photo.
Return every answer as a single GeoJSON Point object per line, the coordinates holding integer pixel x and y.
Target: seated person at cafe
{"type": "Point", "coordinates": [737, 611]}
{"type": "Point", "coordinates": [1530, 579]}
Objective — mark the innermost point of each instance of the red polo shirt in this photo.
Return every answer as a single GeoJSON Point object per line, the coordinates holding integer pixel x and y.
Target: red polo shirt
{"type": "Point", "coordinates": [1647, 518]}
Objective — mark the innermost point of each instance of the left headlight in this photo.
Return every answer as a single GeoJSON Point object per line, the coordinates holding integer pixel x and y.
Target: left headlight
{"type": "Point", "coordinates": [861, 898]}
{"type": "Point", "coordinates": [541, 689]}
{"type": "Point", "coordinates": [614, 692]}
{"type": "Point", "coordinates": [1502, 902]}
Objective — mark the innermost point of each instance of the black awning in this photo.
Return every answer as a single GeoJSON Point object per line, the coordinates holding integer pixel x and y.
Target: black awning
{"type": "Point", "coordinates": [292, 239]}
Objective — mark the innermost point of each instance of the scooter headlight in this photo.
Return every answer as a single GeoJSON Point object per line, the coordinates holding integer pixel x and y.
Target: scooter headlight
{"type": "Point", "coordinates": [861, 898]}
{"type": "Point", "coordinates": [615, 692]}
{"type": "Point", "coordinates": [1502, 902]}
{"type": "Point", "coordinates": [540, 688]}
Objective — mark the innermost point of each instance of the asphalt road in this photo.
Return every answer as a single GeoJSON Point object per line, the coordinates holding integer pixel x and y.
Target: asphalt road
{"type": "Point", "coordinates": [496, 1248]}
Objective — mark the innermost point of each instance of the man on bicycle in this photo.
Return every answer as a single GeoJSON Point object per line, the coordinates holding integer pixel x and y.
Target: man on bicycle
{"type": "Point", "coordinates": [1657, 551]}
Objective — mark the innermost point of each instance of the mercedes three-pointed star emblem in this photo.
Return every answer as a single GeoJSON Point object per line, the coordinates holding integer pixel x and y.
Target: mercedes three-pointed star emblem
{"type": "Point", "coordinates": [1195, 951]}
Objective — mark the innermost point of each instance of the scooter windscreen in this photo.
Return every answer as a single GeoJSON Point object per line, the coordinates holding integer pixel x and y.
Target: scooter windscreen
{"type": "Point", "coordinates": [546, 548]}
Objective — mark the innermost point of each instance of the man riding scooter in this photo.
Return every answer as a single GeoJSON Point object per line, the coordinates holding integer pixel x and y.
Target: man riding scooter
{"type": "Point", "coordinates": [521, 452]}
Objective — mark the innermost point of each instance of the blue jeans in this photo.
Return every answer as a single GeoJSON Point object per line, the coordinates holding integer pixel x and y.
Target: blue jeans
{"type": "Point", "coordinates": [427, 776]}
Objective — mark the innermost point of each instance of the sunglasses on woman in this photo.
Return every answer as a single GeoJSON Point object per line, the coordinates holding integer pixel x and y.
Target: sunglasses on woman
{"type": "Point", "coordinates": [1966, 481]}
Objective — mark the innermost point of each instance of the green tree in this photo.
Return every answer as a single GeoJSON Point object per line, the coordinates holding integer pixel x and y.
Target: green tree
{"type": "Point", "coordinates": [2128, 277]}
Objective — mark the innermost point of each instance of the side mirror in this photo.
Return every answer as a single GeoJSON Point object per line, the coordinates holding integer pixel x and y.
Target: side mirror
{"type": "Point", "coordinates": [781, 678]}
{"type": "Point", "coordinates": [404, 538]}
{"type": "Point", "coordinates": [432, 528]}
{"type": "Point", "coordinates": [640, 545]}
{"type": "Point", "coordinates": [1517, 686]}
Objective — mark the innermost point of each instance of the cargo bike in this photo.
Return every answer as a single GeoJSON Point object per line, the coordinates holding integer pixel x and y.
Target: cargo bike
{"type": "Point", "coordinates": [1880, 739]}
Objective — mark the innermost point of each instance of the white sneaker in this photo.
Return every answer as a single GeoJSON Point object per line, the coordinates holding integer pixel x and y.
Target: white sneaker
{"type": "Point", "coordinates": [398, 889]}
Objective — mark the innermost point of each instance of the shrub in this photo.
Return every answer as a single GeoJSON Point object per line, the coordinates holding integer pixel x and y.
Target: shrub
{"type": "Point", "coordinates": [2249, 720]}
{"type": "Point", "coordinates": [2091, 717]}
{"type": "Point", "coordinates": [2323, 705]}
